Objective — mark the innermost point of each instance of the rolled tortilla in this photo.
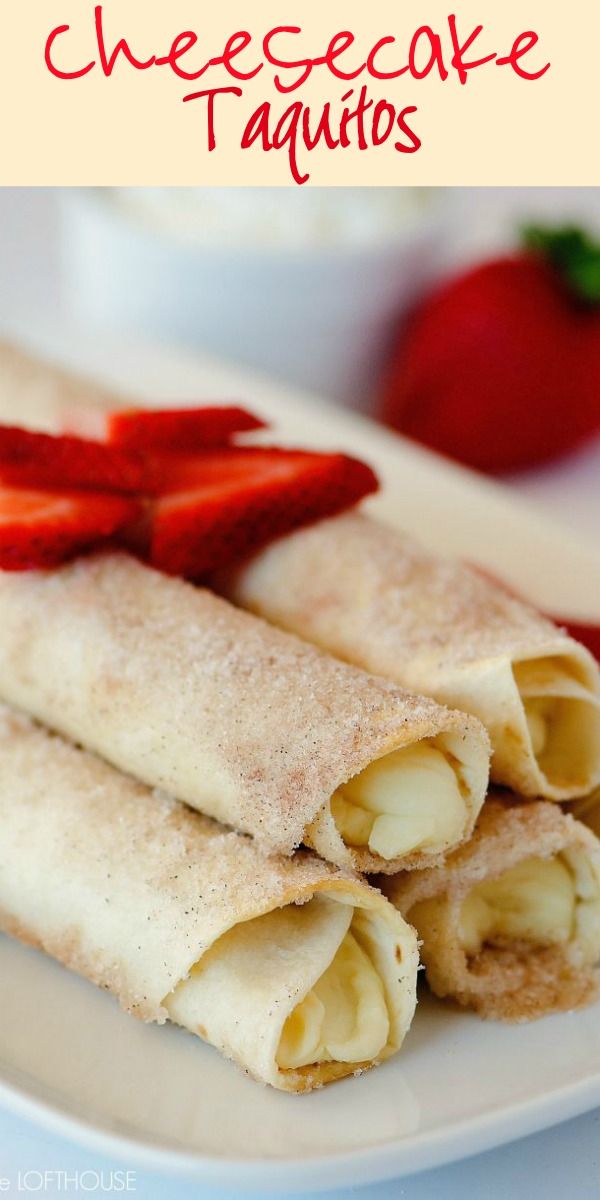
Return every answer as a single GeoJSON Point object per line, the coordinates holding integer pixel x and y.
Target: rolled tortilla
{"type": "Point", "coordinates": [243, 722]}
{"type": "Point", "coordinates": [510, 925]}
{"type": "Point", "coordinates": [297, 970]}
{"type": "Point", "coordinates": [368, 594]}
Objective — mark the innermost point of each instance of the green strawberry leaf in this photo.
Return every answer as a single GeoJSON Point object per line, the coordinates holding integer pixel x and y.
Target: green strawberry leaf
{"type": "Point", "coordinates": [573, 253]}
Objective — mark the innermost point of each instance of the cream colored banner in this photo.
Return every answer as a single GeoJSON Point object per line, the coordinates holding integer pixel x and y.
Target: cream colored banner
{"type": "Point", "coordinates": [413, 92]}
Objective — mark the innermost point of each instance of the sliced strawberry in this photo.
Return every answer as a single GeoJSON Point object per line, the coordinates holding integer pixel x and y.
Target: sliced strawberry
{"type": "Point", "coordinates": [233, 466]}
{"type": "Point", "coordinates": [43, 529]}
{"type": "Point", "coordinates": [178, 428]}
{"type": "Point", "coordinates": [227, 466]}
{"type": "Point", "coordinates": [41, 460]}
{"type": "Point", "coordinates": [222, 506]}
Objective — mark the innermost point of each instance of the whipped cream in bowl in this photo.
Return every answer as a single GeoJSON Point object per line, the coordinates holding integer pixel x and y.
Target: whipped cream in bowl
{"type": "Point", "coordinates": [276, 218]}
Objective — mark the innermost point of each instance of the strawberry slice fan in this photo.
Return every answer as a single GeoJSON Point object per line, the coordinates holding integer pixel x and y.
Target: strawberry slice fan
{"type": "Point", "coordinates": [189, 514]}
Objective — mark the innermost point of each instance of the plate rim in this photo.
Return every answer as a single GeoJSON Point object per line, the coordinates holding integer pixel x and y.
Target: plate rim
{"type": "Point", "coordinates": [324, 1172]}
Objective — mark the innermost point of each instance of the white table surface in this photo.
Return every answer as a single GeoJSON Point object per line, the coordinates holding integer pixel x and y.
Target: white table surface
{"type": "Point", "coordinates": [561, 1161]}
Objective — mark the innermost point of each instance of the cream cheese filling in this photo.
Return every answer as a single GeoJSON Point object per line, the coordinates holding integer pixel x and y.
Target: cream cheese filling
{"type": "Point", "coordinates": [542, 901]}
{"type": "Point", "coordinates": [562, 717]}
{"type": "Point", "coordinates": [343, 1018]}
{"type": "Point", "coordinates": [408, 800]}
{"type": "Point", "coordinates": [306, 976]}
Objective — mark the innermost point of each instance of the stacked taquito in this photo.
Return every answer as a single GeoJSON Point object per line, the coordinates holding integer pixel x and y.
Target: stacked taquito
{"type": "Point", "coordinates": [297, 970]}
{"type": "Point", "coordinates": [510, 923]}
{"type": "Point", "coordinates": [509, 920]}
{"type": "Point", "coordinates": [243, 722]}
{"type": "Point", "coordinates": [370, 595]}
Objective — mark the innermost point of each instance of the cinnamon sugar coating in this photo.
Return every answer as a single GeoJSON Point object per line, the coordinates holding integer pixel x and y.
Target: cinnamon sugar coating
{"type": "Point", "coordinates": [183, 879]}
{"type": "Point", "coordinates": [370, 595]}
{"type": "Point", "coordinates": [363, 589]}
{"type": "Point", "coordinates": [169, 682]}
{"type": "Point", "coordinates": [130, 888]}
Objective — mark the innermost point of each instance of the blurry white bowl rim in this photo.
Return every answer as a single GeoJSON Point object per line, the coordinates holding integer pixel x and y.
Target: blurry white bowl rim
{"type": "Point", "coordinates": [318, 315]}
{"type": "Point", "coordinates": [271, 223]}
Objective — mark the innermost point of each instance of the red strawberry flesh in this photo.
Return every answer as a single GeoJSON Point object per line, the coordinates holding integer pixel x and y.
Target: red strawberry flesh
{"type": "Point", "coordinates": [44, 529]}
{"type": "Point", "coordinates": [499, 368]}
{"type": "Point", "coordinates": [178, 429]}
{"type": "Point", "coordinates": [42, 460]}
{"type": "Point", "coordinates": [234, 502]}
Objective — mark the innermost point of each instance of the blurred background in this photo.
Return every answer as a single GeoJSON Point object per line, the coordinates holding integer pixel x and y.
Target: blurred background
{"type": "Point", "coordinates": [337, 290]}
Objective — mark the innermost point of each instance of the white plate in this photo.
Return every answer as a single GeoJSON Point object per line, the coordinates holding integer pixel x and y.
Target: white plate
{"type": "Point", "coordinates": [157, 1096]}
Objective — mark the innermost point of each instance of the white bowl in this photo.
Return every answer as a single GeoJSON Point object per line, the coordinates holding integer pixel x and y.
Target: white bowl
{"type": "Point", "coordinates": [304, 298]}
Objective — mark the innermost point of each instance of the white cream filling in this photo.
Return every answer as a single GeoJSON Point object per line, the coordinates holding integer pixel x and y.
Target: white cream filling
{"type": "Point", "coordinates": [545, 902]}
{"type": "Point", "coordinates": [562, 718]}
{"type": "Point", "coordinates": [325, 952]}
{"type": "Point", "coordinates": [344, 1017]}
{"type": "Point", "coordinates": [408, 800]}
{"type": "Point", "coordinates": [532, 902]}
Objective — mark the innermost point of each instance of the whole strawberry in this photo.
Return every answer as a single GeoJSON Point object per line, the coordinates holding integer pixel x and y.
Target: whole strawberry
{"type": "Point", "coordinates": [501, 367]}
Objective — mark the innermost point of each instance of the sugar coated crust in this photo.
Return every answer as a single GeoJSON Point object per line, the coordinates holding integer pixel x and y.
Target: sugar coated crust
{"type": "Point", "coordinates": [174, 685]}
{"type": "Point", "coordinates": [356, 577]}
{"type": "Point", "coordinates": [129, 888]}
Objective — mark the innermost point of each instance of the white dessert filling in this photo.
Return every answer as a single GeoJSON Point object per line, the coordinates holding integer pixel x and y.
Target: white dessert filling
{"type": "Point", "coordinates": [408, 800]}
{"type": "Point", "coordinates": [562, 718]}
{"type": "Point", "coordinates": [308, 973]}
{"type": "Point", "coordinates": [542, 901]}
{"type": "Point", "coordinates": [344, 1017]}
